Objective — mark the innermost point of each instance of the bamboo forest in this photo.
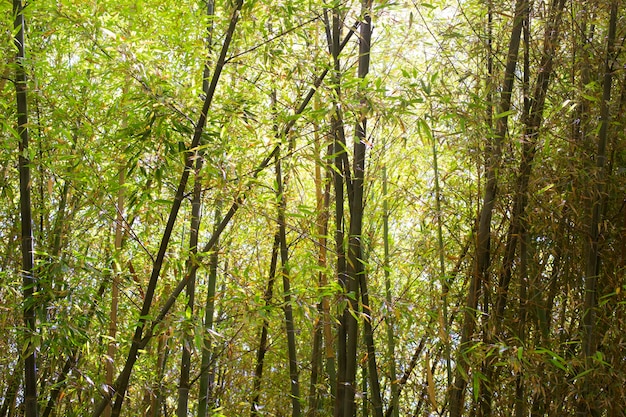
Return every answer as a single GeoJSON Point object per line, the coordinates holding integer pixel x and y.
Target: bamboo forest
{"type": "Point", "coordinates": [303, 208]}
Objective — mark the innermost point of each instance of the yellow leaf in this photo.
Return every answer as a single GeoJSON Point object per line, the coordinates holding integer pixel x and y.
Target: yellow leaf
{"type": "Point", "coordinates": [442, 329]}
{"type": "Point", "coordinates": [431, 382]}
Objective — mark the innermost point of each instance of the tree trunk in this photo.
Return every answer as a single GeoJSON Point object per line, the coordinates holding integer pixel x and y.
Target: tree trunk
{"type": "Point", "coordinates": [339, 152]}
{"type": "Point", "coordinates": [184, 386]}
{"type": "Point", "coordinates": [445, 286]}
{"type": "Point", "coordinates": [389, 319]}
{"type": "Point", "coordinates": [207, 365]}
{"type": "Point", "coordinates": [356, 263]}
{"type": "Point", "coordinates": [263, 345]}
{"type": "Point", "coordinates": [322, 336]}
{"type": "Point", "coordinates": [28, 278]}
{"type": "Point", "coordinates": [187, 342]}
{"type": "Point", "coordinates": [288, 308]}
{"type": "Point", "coordinates": [115, 291]}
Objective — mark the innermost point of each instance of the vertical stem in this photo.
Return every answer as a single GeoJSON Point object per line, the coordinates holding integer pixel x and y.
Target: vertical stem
{"type": "Point", "coordinates": [356, 262]}
{"type": "Point", "coordinates": [115, 291]}
{"type": "Point", "coordinates": [389, 319]}
{"type": "Point", "coordinates": [364, 399]}
{"type": "Point", "coordinates": [28, 279]}
{"type": "Point", "coordinates": [163, 354]}
{"type": "Point", "coordinates": [322, 342]}
{"type": "Point", "coordinates": [183, 396]}
{"type": "Point", "coordinates": [206, 365]}
{"type": "Point", "coordinates": [288, 309]}
{"type": "Point", "coordinates": [442, 266]}
{"type": "Point", "coordinates": [206, 374]}
{"type": "Point", "coordinates": [183, 388]}
{"type": "Point", "coordinates": [341, 276]}
{"type": "Point", "coordinates": [263, 344]}
{"type": "Point", "coordinates": [339, 151]}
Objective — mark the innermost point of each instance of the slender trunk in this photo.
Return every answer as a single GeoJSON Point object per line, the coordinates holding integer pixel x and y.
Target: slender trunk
{"type": "Point", "coordinates": [206, 366]}
{"type": "Point", "coordinates": [115, 291]}
{"type": "Point", "coordinates": [341, 275]}
{"type": "Point", "coordinates": [389, 314]}
{"type": "Point", "coordinates": [184, 385]}
{"type": "Point", "coordinates": [288, 309]}
{"type": "Point", "coordinates": [156, 398]}
{"type": "Point", "coordinates": [349, 317]}
{"type": "Point", "coordinates": [322, 338]}
{"type": "Point", "coordinates": [279, 247]}
{"type": "Point", "coordinates": [493, 159]}
{"type": "Point", "coordinates": [442, 266]}
{"type": "Point", "coordinates": [28, 279]}
{"type": "Point", "coordinates": [57, 241]}
{"type": "Point", "coordinates": [316, 365]}
{"type": "Point", "coordinates": [263, 344]}
{"type": "Point", "coordinates": [590, 406]}
{"type": "Point", "coordinates": [356, 264]}
{"type": "Point", "coordinates": [354, 255]}
{"type": "Point", "coordinates": [329, 351]}
{"type": "Point", "coordinates": [115, 282]}
{"type": "Point", "coordinates": [520, 388]}
{"type": "Point", "coordinates": [207, 371]}
{"type": "Point", "coordinates": [194, 230]}
{"type": "Point", "coordinates": [339, 152]}
{"type": "Point", "coordinates": [365, 402]}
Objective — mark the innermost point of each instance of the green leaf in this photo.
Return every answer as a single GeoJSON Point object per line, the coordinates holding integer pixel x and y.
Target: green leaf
{"type": "Point", "coordinates": [504, 114]}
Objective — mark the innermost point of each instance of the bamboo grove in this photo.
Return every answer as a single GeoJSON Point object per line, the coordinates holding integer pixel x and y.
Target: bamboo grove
{"type": "Point", "coordinates": [313, 208]}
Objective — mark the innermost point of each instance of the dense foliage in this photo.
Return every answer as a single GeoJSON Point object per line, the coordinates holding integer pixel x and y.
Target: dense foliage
{"type": "Point", "coordinates": [312, 207]}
